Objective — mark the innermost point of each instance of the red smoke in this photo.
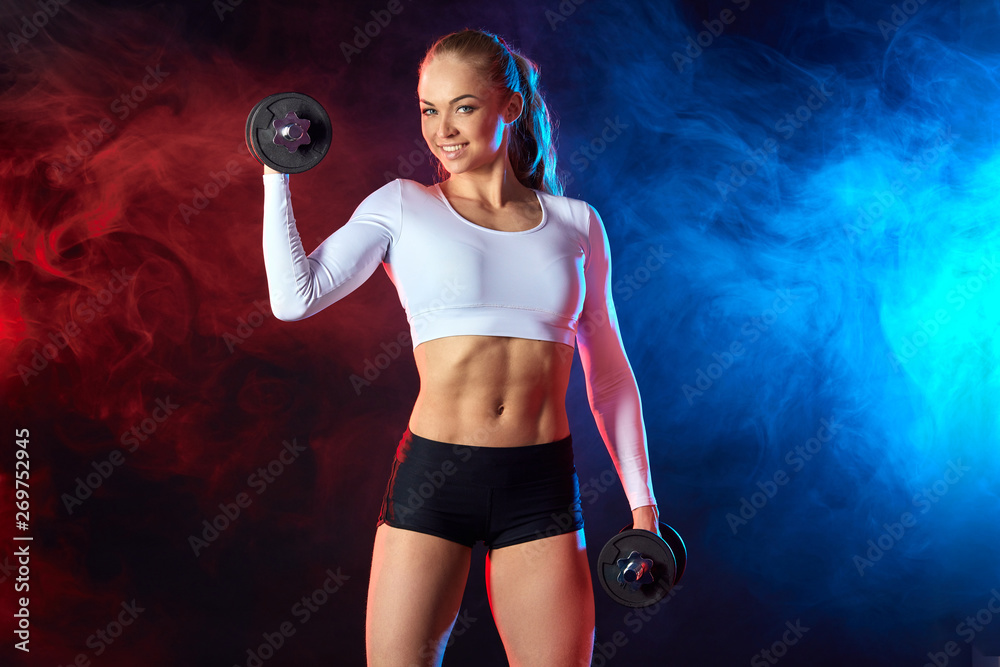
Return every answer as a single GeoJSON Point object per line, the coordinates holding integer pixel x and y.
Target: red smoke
{"type": "Point", "coordinates": [138, 347]}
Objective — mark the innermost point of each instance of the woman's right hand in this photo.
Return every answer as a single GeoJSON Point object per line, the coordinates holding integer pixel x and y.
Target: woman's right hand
{"type": "Point", "coordinates": [268, 170]}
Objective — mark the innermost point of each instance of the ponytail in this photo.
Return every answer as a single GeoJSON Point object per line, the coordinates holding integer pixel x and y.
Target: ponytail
{"type": "Point", "coordinates": [531, 141]}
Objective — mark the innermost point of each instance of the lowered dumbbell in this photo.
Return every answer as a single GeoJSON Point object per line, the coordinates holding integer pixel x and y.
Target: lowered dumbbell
{"type": "Point", "coordinates": [637, 568]}
{"type": "Point", "coordinates": [289, 132]}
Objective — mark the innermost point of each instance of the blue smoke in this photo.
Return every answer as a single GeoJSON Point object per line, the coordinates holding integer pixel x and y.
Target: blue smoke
{"type": "Point", "coordinates": [802, 204]}
{"type": "Point", "coordinates": [818, 352]}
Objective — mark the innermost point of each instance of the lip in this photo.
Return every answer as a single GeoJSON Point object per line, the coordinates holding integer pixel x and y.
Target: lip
{"type": "Point", "coordinates": [454, 155]}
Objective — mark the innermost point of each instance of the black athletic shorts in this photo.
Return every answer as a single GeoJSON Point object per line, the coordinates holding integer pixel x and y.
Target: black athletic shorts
{"type": "Point", "coordinates": [500, 495]}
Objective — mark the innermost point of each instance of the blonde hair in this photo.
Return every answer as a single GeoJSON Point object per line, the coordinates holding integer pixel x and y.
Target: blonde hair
{"type": "Point", "coordinates": [531, 144]}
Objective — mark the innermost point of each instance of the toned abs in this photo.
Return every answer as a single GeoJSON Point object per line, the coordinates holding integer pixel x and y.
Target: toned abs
{"type": "Point", "coordinates": [492, 391]}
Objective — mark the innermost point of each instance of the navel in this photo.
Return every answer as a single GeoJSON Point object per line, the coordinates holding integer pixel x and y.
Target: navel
{"type": "Point", "coordinates": [499, 410]}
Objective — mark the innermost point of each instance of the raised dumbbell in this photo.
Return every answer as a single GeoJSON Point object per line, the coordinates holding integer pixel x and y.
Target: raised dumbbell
{"type": "Point", "coordinates": [637, 568]}
{"type": "Point", "coordinates": [289, 132]}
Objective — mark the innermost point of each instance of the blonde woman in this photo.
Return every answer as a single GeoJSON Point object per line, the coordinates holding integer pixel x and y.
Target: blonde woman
{"type": "Point", "coordinates": [500, 277]}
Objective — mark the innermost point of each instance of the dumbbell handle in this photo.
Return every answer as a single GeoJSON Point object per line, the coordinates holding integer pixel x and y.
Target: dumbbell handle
{"type": "Point", "coordinates": [635, 567]}
{"type": "Point", "coordinates": [635, 570]}
{"type": "Point", "coordinates": [292, 132]}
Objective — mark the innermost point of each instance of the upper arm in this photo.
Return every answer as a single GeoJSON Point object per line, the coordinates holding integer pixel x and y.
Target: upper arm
{"type": "Point", "coordinates": [301, 285]}
{"type": "Point", "coordinates": [602, 352]}
{"type": "Point", "coordinates": [356, 249]}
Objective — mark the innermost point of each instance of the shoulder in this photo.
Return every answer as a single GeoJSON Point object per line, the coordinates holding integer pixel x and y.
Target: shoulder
{"type": "Point", "coordinates": [409, 186]}
{"type": "Point", "coordinates": [579, 211]}
{"type": "Point", "coordinates": [385, 195]}
{"type": "Point", "coordinates": [577, 215]}
{"type": "Point", "coordinates": [407, 192]}
{"type": "Point", "coordinates": [395, 195]}
{"type": "Point", "coordinates": [400, 186]}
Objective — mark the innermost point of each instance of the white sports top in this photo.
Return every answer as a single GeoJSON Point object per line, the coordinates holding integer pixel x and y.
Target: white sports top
{"type": "Point", "coordinates": [454, 277]}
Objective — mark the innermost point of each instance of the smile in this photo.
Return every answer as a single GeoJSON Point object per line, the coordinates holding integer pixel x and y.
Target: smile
{"type": "Point", "coordinates": [454, 151]}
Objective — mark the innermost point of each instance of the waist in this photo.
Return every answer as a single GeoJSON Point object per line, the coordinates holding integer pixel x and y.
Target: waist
{"type": "Point", "coordinates": [490, 465]}
{"type": "Point", "coordinates": [492, 320]}
{"type": "Point", "coordinates": [491, 391]}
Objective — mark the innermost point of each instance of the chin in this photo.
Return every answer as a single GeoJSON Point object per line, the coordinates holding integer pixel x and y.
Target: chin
{"type": "Point", "coordinates": [472, 163]}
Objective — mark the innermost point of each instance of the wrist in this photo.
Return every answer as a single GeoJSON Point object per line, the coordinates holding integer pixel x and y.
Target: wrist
{"type": "Point", "coordinates": [646, 517]}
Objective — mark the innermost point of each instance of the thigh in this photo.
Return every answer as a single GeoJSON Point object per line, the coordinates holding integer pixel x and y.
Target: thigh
{"type": "Point", "coordinates": [414, 594]}
{"type": "Point", "coordinates": [429, 492]}
{"type": "Point", "coordinates": [532, 583]}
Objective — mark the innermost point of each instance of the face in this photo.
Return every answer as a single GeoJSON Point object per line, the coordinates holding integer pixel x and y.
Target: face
{"type": "Point", "coordinates": [463, 120]}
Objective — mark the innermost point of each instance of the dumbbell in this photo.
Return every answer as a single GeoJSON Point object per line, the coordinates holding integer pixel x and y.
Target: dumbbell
{"type": "Point", "coordinates": [637, 568]}
{"type": "Point", "coordinates": [289, 132]}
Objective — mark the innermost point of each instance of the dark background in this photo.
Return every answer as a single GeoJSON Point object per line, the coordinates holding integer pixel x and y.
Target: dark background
{"type": "Point", "coordinates": [817, 355]}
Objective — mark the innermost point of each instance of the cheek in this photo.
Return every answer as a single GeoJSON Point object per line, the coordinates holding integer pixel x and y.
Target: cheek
{"type": "Point", "coordinates": [498, 135]}
{"type": "Point", "coordinates": [428, 131]}
{"type": "Point", "coordinates": [487, 132]}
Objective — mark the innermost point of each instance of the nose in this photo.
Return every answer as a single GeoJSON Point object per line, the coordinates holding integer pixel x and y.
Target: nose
{"type": "Point", "coordinates": [445, 127]}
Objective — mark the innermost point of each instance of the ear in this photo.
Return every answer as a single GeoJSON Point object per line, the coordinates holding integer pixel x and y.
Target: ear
{"type": "Point", "coordinates": [514, 109]}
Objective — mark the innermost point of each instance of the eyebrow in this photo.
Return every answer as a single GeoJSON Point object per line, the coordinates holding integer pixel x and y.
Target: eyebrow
{"type": "Point", "coordinates": [460, 97]}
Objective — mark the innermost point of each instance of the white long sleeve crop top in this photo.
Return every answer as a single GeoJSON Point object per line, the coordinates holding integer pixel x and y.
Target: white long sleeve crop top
{"type": "Point", "coordinates": [454, 277]}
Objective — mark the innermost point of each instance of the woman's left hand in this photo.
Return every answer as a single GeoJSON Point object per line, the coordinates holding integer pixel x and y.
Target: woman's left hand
{"type": "Point", "coordinates": [646, 518]}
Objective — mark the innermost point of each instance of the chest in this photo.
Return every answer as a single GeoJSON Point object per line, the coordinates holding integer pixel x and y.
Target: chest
{"type": "Point", "coordinates": [517, 218]}
{"type": "Point", "coordinates": [444, 261]}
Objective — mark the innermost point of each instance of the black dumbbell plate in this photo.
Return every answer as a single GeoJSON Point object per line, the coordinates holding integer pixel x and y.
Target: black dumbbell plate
{"type": "Point", "coordinates": [260, 132]}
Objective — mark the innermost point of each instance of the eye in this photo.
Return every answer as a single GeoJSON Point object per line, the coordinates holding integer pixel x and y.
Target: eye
{"type": "Point", "coordinates": [423, 112]}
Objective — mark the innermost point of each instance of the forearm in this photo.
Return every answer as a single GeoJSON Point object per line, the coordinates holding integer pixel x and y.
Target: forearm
{"type": "Point", "coordinates": [611, 385]}
{"type": "Point", "coordinates": [291, 281]}
{"type": "Point", "coordinates": [617, 410]}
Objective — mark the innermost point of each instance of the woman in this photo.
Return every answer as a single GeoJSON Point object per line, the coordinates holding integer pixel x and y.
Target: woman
{"type": "Point", "coordinates": [499, 275]}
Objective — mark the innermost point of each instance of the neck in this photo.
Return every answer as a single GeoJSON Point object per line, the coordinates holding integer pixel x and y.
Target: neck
{"type": "Point", "coordinates": [492, 186]}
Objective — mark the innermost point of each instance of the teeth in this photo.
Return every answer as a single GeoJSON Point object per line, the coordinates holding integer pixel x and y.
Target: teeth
{"type": "Point", "coordinates": [452, 149]}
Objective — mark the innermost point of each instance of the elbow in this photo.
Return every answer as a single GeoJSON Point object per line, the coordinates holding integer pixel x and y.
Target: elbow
{"type": "Point", "coordinates": [612, 386]}
{"type": "Point", "coordinates": [288, 312]}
